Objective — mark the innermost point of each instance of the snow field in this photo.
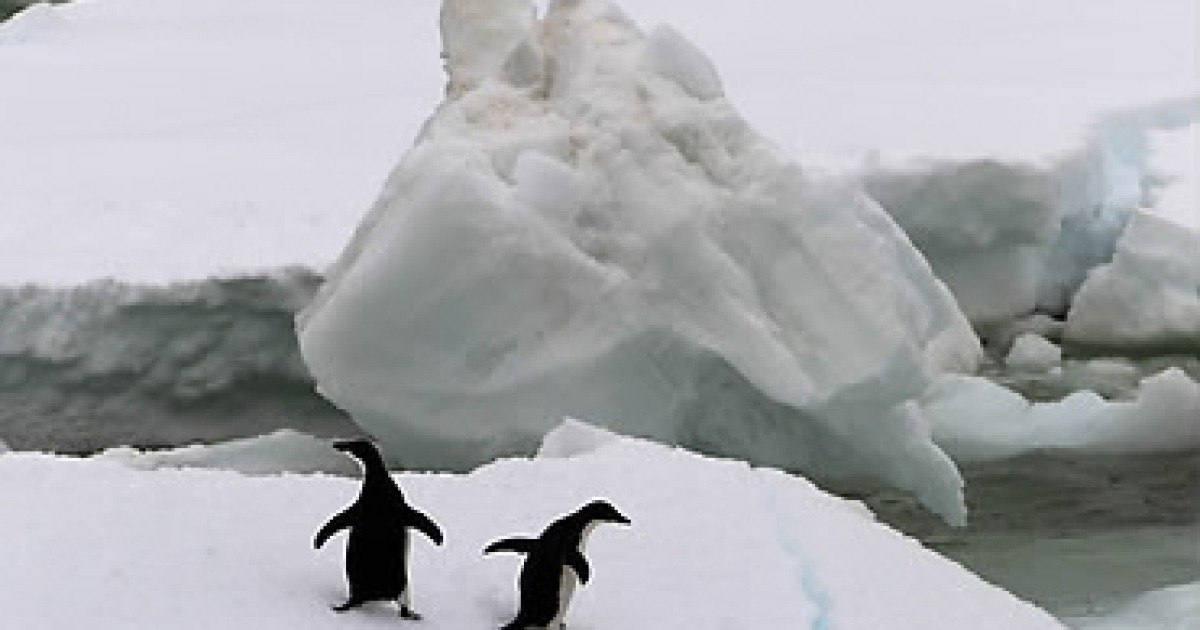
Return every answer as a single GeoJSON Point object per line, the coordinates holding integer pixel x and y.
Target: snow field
{"type": "Point", "coordinates": [106, 546]}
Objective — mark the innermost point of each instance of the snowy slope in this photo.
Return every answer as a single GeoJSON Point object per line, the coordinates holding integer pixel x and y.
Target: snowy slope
{"type": "Point", "coordinates": [105, 546]}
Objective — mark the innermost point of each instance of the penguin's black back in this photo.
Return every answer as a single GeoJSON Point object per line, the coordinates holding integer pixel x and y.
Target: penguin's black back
{"type": "Point", "coordinates": [542, 574]}
{"type": "Point", "coordinates": [377, 548]}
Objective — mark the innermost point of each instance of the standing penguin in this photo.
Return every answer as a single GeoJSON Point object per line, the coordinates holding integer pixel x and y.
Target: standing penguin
{"type": "Point", "coordinates": [554, 565]}
{"type": "Point", "coordinates": [379, 520]}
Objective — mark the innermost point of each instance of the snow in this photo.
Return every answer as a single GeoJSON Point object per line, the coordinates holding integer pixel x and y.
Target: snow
{"type": "Point", "coordinates": [159, 140]}
{"type": "Point", "coordinates": [202, 549]}
{"type": "Point", "coordinates": [268, 127]}
{"type": "Point", "coordinates": [1174, 186]}
{"type": "Point", "coordinates": [977, 420]}
{"type": "Point", "coordinates": [154, 141]}
{"type": "Point", "coordinates": [611, 243]}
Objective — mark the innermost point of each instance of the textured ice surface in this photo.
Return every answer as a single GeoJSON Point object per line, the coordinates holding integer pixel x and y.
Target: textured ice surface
{"type": "Point", "coordinates": [984, 225]}
{"type": "Point", "coordinates": [594, 231]}
{"type": "Point", "coordinates": [107, 363]}
{"type": "Point", "coordinates": [1013, 236]}
{"type": "Point", "coordinates": [1149, 295]}
{"type": "Point", "coordinates": [191, 549]}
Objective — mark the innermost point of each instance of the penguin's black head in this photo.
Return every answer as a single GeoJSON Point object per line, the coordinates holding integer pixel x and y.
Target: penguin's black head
{"type": "Point", "coordinates": [364, 450]}
{"type": "Point", "coordinates": [603, 512]}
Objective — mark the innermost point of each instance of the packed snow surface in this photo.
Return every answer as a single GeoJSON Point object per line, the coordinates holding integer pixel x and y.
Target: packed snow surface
{"type": "Point", "coordinates": [166, 139]}
{"type": "Point", "coordinates": [203, 549]}
{"type": "Point", "coordinates": [593, 230]}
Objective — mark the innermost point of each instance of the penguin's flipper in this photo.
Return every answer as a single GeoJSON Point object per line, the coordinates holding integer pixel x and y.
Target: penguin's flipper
{"type": "Point", "coordinates": [335, 525]}
{"type": "Point", "coordinates": [515, 545]}
{"type": "Point", "coordinates": [576, 561]}
{"type": "Point", "coordinates": [422, 523]}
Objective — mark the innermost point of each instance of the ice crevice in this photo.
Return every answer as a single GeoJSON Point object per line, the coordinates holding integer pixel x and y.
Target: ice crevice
{"type": "Point", "coordinates": [807, 580]}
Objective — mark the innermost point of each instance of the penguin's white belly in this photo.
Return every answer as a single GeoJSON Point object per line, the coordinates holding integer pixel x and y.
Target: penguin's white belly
{"type": "Point", "coordinates": [567, 584]}
{"type": "Point", "coordinates": [406, 594]}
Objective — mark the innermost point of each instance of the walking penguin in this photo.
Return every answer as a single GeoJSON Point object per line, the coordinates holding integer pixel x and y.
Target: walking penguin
{"type": "Point", "coordinates": [378, 520]}
{"type": "Point", "coordinates": [554, 565]}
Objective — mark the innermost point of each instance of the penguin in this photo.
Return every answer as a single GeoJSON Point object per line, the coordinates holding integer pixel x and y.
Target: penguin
{"type": "Point", "coordinates": [554, 565]}
{"type": "Point", "coordinates": [378, 520]}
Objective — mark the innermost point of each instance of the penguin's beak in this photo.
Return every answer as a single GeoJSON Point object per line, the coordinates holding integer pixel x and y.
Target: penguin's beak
{"type": "Point", "coordinates": [620, 518]}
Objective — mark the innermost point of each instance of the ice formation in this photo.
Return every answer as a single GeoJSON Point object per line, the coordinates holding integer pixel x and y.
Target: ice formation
{"type": "Point", "coordinates": [284, 451]}
{"type": "Point", "coordinates": [1011, 237]}
{"type": "Point", "coordinates": [191, 549]}
{"type": "Point", "coordinates": [1148, 296]}
{"type": "Point", "coordinates": [984, 225]}
{"type": "Point", "coordinates": [108, 363]}
{"type": "Point", "coordinates": [975, 419]}
{"type": "Point", "coordinates": [586, 227]}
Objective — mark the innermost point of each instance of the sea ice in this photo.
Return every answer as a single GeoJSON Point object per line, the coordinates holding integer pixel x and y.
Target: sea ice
{"type": "Point", "coordinates": [284, 451]}
{"type": "Point", "coordinates": [975, 419]}
{"type": "Point", "coordinates": [190, 549]}
{"type": "Point", "coordinates": [593, 230]}
{"type": "Point", "coordinates": [1015, 236]}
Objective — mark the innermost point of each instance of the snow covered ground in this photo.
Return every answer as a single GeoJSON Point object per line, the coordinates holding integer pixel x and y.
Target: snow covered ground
{"type": "Point", "coordinates": [102, 545]}
{"type": "Point", "coordinates": [197, 137]}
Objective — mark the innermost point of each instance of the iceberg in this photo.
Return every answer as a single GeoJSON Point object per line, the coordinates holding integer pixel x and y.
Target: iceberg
{"type": "Point", "coordinates": [586, 227]}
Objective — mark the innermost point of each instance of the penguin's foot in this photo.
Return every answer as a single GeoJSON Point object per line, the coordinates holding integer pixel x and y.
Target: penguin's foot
{"type": "Point", "coordinates": [350, 603]}
{"type": "Point", "coordinates": [409, 614]}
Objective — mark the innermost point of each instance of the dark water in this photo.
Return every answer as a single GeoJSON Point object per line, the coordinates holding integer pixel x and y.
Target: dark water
{"type": "Point", "coordinates": [1075, 535]}
{"type": "Point", "coordinates": [9, 7]}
